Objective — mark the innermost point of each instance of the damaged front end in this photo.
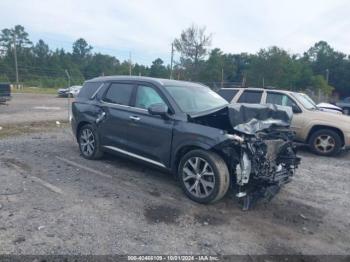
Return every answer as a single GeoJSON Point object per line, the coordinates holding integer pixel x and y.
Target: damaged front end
{"type": "Point", "coordinates": [259, 149]}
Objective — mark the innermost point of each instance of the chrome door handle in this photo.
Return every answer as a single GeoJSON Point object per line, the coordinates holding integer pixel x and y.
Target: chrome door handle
{"type": "Point", "coordinates": [135, 118]}
{"type": "Point", "coordinates": [100, 117]}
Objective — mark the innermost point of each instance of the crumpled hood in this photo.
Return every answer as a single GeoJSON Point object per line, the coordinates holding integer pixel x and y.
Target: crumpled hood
{"type": "Point", "coordinates": [246, 118]}
{"type": "Point", "coordinates": [251, 118]}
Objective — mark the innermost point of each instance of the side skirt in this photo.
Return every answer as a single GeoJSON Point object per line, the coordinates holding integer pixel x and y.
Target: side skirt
{"type": "Point", "coordinates": [135, 156]}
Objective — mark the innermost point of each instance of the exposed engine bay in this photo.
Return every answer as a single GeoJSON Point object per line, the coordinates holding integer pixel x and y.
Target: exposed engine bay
{"type": "Point", "coordinates": [259, 150]}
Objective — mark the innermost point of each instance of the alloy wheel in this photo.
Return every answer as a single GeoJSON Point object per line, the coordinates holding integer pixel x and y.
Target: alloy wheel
{"type": "Point", "coordinates": [324, 143]}
{"type": "Point", "coordinates": [198, 177]}
{"type": "Point", "coordinates": [87, 142]}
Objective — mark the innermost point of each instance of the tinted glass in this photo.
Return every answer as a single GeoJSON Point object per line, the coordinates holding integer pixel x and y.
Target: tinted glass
{"type": "Point", "coordinates": [252, 97]}
{"type": "Point", "coordinates": [195, 98]}
{"type": "Point", "coordinates": [89, 89]}
{"type": "Point", "coordinates": [147, 96]}
{"type": "Point", "coordinates": [119, 94]}
{"type": "Point", "coordinates": [278, 99]}
{"type": "Point", "coordinates": [228, 94]}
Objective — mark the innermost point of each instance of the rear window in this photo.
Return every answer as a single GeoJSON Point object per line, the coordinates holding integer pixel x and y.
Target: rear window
{"type": "Point", "coordinates": [250, 96]}
{"type": "Point", "coordinates": [119, 94]}
{"type": "Point", "coordinates": [89, 89]}
{"type": "Point", "coordinates": [227, 94]}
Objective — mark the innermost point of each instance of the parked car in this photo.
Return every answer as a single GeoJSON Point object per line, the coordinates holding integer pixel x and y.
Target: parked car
{"type": "Point", "coordinates": [326, 133]}
{"type": "Point", "coordinates": [345, 105]}
{"type": "Point", "coordinates": [189, 130]}
{"type": "Point", "coordinates": [72, 91]}
{"type": "Point", "coordinates": [330, 108]}
{"type": "Point", "coordinates": [5, 92]}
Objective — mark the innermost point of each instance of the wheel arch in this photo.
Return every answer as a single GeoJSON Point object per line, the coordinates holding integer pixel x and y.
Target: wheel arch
{"type": "Point", "coordinates": [79, 126]}
{"type": "Point", "coordinates": [319, 127]}
{"type": "Point", "coordinates": [182, 150]}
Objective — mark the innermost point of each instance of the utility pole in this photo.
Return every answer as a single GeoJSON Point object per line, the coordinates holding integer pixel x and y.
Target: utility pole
{"type": "Point", "coordinates": [171, 60]}
{"type": "Point", "coordinates": [243, 80]}
{"type": "Point", "coordinates": [327, 75]}
{"type": "Point", "coordinates": [130, 65]}
{"type": "Point", "coordinates": [222, 77]}
{"type": "Point", "coordinates": [16, 64]}
{"type": "Point", "coordinates": [68, 97]}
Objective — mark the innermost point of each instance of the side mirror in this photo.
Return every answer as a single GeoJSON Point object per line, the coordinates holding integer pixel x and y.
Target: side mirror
{"type": "Point", "coordinates": [158, 110]}
{"type": "Point", "coordinates": [296, 109]}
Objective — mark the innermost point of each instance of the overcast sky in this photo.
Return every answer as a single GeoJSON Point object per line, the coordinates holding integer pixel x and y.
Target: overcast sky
{"type": "Point", "coordinates": [147, 27]}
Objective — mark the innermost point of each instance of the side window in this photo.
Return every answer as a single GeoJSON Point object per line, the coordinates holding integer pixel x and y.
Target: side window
{"type": "Point", "coordinates": [227, 94]}
{"type": "Point", "coordinates": [88, 89]}
{"type": "Point", "coordinates": [250, 96]}
{"type": "Point", "coordinates": [119, 94]}
{"type": "Point", "coordinates": [146, 96]}
{"type": "Point", "coordinates": [279, 99]}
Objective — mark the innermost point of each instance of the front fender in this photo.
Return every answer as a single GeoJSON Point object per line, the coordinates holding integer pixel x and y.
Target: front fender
{"type": "Point", "coordinates": [194, 135]}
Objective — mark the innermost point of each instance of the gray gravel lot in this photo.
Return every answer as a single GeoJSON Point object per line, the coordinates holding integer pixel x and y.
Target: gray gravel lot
{"type": "Point", "coordinates": [52, 201]}
{"type": "Point", "coordinates": [119, 206]}
{"type": "Point", "coordinates": [24, 108]}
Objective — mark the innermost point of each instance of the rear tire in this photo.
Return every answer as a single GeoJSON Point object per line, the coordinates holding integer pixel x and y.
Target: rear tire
{"type": "Point", "coordinates": [204, 176]}
{"type": "Point", "coordinates": [325, 142]}
{"type": "Point", "coordinates": [89, 143]}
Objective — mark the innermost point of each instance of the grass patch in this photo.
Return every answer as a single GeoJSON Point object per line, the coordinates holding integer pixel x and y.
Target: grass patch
{"type": "Point", "coordinates": [36, 90]}
{"type": "Point", "coordinates": [29, 128]}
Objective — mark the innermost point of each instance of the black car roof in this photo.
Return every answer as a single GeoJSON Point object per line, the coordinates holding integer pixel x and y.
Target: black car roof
{"type": "Point", "coordinates": [161, 81]}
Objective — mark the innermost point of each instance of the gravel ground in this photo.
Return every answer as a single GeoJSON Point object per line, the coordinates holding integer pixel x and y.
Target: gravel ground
{"type": "Point", "coordinates": [24, 108]}
{"type": "Point", "coordinates": [52, 201]}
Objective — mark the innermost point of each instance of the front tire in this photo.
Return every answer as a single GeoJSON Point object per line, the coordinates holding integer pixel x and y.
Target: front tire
{"type": "Point", "coordinates": [89, 143]}
{"type": "Point", "coordinates": [204, 176]}
{"type": "Point", "coordinates": [325, 142]}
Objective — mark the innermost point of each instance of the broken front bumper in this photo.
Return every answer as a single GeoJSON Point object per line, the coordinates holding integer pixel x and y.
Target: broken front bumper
{"type": "Point", "coordinates": [264, 167]}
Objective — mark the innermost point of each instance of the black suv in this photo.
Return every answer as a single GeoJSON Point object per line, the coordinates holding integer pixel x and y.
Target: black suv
{"type": "Point", "coordinates": [189, 130]}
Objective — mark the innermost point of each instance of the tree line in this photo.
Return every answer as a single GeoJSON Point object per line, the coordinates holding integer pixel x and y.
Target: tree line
{"type": "Point", "coordinates": [318, 68]}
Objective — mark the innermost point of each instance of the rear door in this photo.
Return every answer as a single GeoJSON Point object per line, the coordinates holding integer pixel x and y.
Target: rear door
{"type": "Point", "coordinates": [115, 106]}
{"type": "Point", "coordinates": [149, 136]}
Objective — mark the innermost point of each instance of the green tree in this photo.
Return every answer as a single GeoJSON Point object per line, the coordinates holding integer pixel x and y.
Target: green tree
{"type": "Point", "coordinates": [335, 66]}
{"type": "Point", "coordinates": [274, 67]}
{"type": "Point", "coordinates": [193, 45]}
{"type": "Point", "coordinates": [7, 37]}
{"type": "Point", "coordinates": [318, 82]}
{"type": "Point", "coordinates": [81, 49]}
{"type": "Point", "coordinates": [41, 53]}
{"type": "Point", "coordinates": [158, 69]}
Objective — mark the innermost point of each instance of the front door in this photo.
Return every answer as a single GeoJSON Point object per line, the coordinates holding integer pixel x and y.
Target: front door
{"type": "Point", "coordinates": [282, 99]}
{"type": "Point", "coordinates": [149, 136]}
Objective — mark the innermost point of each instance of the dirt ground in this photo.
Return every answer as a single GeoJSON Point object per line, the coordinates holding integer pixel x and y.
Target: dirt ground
{"type": "Point", "coordinates": [52, 201]}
